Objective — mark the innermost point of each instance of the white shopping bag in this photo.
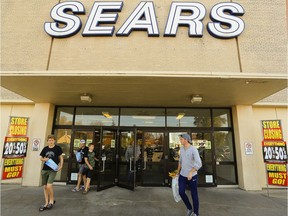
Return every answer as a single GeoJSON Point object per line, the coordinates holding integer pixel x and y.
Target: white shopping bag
{"type": "Point", "coordinates": [175, 189]}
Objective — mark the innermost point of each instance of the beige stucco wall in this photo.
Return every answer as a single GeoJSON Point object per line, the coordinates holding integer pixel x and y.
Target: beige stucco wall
{"type": "Point", "coordinates": [247, 128]}
{"type": "Point", "coordinates": [261, 48]}
{"type": "Point", "coordinates": [40, 125]}
{"type": "Point", "coordinates": [24, 46]}
{"type": "Point", "coordinates": [247, 165]}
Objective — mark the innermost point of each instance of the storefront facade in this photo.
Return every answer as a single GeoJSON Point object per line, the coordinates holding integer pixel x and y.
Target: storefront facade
{"type": "Point", "coordinates": [156, 131]}
{"type": "Point", "coordinates": [119, 71]}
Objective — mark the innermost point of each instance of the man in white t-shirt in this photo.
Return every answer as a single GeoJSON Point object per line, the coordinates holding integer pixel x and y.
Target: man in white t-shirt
{"type": "Point", "coordinates": [189, 163]}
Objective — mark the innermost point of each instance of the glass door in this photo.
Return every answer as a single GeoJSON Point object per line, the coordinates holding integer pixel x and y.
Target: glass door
{"type": "Point", "coordinates": [153, 157]}
{"type": "Point", "coordinates": [128, 154]}
{"type": "Point", "coordinates": [206, 174]}
{"type": "Point", "coordinates": [202, 141]}
{"type": "Point", "coordinates": [107, 159]}
{"type": "Point", "coordinates": [63, 137]}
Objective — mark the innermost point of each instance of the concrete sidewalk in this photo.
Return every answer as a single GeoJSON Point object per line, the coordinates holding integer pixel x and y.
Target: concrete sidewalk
{"type": "Point", "coordinates": [144, 201]}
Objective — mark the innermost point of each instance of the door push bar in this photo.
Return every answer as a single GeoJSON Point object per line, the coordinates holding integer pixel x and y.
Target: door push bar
{"type": "Point", "coordinates": [103, 160]}
{"type": "Point", "coordinates": [130, 164]}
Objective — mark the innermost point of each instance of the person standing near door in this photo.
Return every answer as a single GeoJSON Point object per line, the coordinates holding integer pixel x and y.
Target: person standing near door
{"type": "Point", "coordinates": [89, 166]}
{"type": "Point", "coordinates": [51, 152]}
{"type": "Point", "coordinates": [83, 150]}
{"type": "Point", "coordinates": [189, 163]}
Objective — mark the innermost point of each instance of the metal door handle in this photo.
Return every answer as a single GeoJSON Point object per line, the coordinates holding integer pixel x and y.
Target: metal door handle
{"type": "Point", "coordinates": [103, 168]}
{"type": "Point", "coordinates": [145, 163]}
{"type": "Point", "coordinates": [130, 162]}
{"type": "Point", "coordinates": [103, 160]}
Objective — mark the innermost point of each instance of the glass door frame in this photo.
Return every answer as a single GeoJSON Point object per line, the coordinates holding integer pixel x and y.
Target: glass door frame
{"type": "Point", "coordinates": [204, 163]}
{"type": "Point", "coordinates": [165, 154]}
{"type": "Point", "coordinates": [132, 163]}
{"type": "Point", "coordinates": [102, 158]}
{"type": "Point", "coordinates": [171, 165]}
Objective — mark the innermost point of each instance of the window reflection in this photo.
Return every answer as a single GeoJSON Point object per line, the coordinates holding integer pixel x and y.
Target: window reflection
{"type": "Point", "coordinates": [221, 118]}
{"type": "Point", "coordinates": [188, 118]}
{"type": "Point", "coordinates": [63, 139]}
{"type": "Point", "coordinates": [223, 146]}
{"type": "Point", "coordinates": [202, 141]}
{"type": "Point", "coordinates": [142, 117]}
{"type": "Point", "coordinates": [96, 116]}
{"type": "Point", "coordinates": [64, 116]}
{"type": "Point", "coordinates": [153, 146]}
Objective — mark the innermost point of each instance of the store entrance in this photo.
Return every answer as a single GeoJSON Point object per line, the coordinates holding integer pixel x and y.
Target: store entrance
{"type": "Point", "coordinates": [133, 157]}
{"type": "Point", "coordinates": [141, 158]}
{"type": "Point", "coordinates": [127, 157]}
{"type": "Point", "coordinates": [152, 135]}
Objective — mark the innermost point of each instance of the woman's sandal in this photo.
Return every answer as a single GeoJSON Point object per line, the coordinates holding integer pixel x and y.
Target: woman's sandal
{"type": "Point", "coordinates": [42, 208]}
{"type": "Point", "coordinates": [50, 205]}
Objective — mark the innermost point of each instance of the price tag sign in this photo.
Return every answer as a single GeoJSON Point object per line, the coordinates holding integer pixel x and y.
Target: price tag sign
{"type": "Point", "coordinates": [15, 147]}
{"type": "Point", "coordinates": [274, 151]}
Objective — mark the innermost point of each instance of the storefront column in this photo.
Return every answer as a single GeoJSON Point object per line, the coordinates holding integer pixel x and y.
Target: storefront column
{"type": "Point", "coordinates": [247, 164]}
{"type": "Point", "coordinates": [40, 125]}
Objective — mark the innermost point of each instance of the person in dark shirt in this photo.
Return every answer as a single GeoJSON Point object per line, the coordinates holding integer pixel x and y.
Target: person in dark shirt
{"type": "Point", "coordinates": [81, 173]}
{"type": "Point", "coordinates": [53, 152]}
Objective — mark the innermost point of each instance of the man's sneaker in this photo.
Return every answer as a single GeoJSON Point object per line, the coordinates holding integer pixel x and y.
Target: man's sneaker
{"type": "Point", "coordinates": [194, 214]}
{"type": "Point", "coordinates": [85, 192]}
{"type": "Point", "coordinates": [82, 188]}
{"type": "Point", "coordinates": [75, 189]}
{"type": "Point", "coordinates": [189, 212]}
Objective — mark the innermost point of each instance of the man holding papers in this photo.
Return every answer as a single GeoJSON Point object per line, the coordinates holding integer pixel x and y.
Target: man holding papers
{"type": "Point", "coordinates": [51, 155]}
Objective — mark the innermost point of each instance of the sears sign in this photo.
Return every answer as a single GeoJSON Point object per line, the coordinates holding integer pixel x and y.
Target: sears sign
{"type": "Point", "coordinates": [225, 21]}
